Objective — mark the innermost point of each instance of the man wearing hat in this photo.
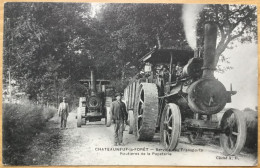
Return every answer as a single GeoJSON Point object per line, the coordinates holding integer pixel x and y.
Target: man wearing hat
{"type": "Point", "coordinates": [119, 115]}
{"type": "Point", "coordinates": [63, 112]}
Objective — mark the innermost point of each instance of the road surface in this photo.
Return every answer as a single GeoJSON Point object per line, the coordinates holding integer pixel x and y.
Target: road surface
{"type": "Point", "coordinates": [92, 144]}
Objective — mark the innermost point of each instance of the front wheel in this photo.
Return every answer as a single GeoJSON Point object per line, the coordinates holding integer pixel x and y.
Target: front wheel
{"type": "Point", "coordinates": [79, 117]}
{"type": "Point", "coordinates": [131, 121]}
{"type": "Point", "coordinates": [170, 128]}
{"type": "Point", "coordinates": [108, 117]}
{"type": "Point", "coordinates": [233, 136]}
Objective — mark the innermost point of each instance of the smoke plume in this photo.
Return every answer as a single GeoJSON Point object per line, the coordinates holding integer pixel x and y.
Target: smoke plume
{"type": "Point", "coordinates": [190, 14]}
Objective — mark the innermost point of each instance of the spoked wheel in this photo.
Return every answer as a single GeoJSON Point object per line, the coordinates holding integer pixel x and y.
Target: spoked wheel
{"type": "Point", "coordinates": [146, 111]}
{"type": "Point", "coordinates": [79, 117]}
{"type": "Point", "coordinates": [233, 136]}
{"type": "Point", "coordinates": [170, 126]}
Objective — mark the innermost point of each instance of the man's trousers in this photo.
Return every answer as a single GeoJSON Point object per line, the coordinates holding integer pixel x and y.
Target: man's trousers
{"type": "Point", "coordinates": [64, 116]}
{"type": "Point", "coordinates": [119, 128]}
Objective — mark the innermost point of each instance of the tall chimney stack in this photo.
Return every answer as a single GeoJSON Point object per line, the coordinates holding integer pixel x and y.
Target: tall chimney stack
{"type": "Point", "coordinates": [92, 82]}
{"type": "Point", "coordinates": [209, 58]}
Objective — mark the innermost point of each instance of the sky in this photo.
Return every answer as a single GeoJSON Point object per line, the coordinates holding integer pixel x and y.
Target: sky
{"type": "Point", "coordinates": [243, 76]}
{"type": "Point", "coordinates": [95, 7]}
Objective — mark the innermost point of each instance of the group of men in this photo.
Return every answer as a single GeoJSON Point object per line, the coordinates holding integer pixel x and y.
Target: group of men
{"type": "Point", "coordinates": [119, 116]}
{"type": "Point", "coordinates": [176, 72]}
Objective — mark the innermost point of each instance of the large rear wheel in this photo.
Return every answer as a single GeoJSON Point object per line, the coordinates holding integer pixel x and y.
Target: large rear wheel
{"type": "Point", "coordinates": [170, 126]}
{"type": "Point", "coordinates": [146, 112]}
{"type": "Point", "coordinates": [233, 136]}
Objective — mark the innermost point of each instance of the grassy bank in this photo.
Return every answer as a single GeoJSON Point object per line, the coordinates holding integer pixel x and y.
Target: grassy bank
{"type": "Point", "coordinates": [21, 122]}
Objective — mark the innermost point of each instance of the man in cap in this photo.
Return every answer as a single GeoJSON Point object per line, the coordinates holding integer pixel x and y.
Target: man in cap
{"type": "Point", "coordinates": [119, 115]}
{"type": "Point", "coordinates": [63, 112]}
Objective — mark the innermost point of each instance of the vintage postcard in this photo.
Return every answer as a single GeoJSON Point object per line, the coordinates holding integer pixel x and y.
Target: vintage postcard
{"type": "Point", "coordinates": [162, 84]}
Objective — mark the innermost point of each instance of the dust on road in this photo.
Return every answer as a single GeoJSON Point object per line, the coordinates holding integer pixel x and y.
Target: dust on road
{"type": "Point", "coordinates": [92, 144]}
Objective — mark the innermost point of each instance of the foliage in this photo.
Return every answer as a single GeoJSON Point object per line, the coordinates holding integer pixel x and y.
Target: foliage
{"type": "Point", "coordinates": [133, 29]}
{"type": "Point", "coordinates": [21, 122]}
{"type": "Point", "coordinates": [40, 49]}
{"type": "Point", "coordinates": [49, 47]}
{"type": "Point", "coordinates": [235, 23]}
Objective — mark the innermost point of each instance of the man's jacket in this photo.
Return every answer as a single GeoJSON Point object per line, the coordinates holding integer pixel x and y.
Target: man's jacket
{"type": "Point", "coordinates": [118, 110]}
{"type": "Point", "coordinates": [64, 107]}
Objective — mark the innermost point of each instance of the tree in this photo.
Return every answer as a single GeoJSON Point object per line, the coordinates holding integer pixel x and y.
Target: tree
{"type": "Point", "coordinates": [131, 30]}
{"type": "Point", "coordinates": [49, 47]}
{"type": "Point", "coordinates": [43, 39]}
{"type": "Point", "coordinates": [235, 22]}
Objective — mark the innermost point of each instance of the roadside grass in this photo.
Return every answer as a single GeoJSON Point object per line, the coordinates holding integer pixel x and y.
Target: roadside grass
{"type": "Point", "coordinates": [22, 122]}
{"type": "Point", "coordinates": [43, 147]}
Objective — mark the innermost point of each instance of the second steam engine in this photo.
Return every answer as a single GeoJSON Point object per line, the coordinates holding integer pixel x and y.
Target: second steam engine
{"type": "Point", "coordinates": [96, 104]}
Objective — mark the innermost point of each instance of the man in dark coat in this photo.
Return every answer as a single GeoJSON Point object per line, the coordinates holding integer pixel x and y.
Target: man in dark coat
{"type": "Point", "coordinates": [119, 114]}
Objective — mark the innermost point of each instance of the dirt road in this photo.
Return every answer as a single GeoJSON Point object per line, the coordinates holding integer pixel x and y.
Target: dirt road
{"type": "Point", "coordinates": [92, 144]}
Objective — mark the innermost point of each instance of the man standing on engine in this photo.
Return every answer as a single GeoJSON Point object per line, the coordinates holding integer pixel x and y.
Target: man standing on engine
{"type": "Point", "coordinates": [63, 113]}
{"type": "Point", "coordinates": [119, 115]}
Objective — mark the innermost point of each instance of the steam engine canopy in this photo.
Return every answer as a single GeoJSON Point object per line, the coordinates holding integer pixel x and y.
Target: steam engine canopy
{"type": "Point", "coordinates": [207, 96]}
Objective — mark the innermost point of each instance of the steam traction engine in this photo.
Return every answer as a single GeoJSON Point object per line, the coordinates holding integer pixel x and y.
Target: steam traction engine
{"type": "Point", "coordinates": [96, 104]}
{"type": "Point", "coordinates": [163, 99]}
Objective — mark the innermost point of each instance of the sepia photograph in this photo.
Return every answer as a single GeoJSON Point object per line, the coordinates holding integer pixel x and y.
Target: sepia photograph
{"type": "Point", "coordinates": [149, 84]}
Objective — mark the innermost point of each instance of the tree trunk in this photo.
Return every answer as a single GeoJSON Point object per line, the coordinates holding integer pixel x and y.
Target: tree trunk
{"type": "Point", "coordinates": [158, 41]}
{"type": "Point", "coordinates": [123, 73]}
